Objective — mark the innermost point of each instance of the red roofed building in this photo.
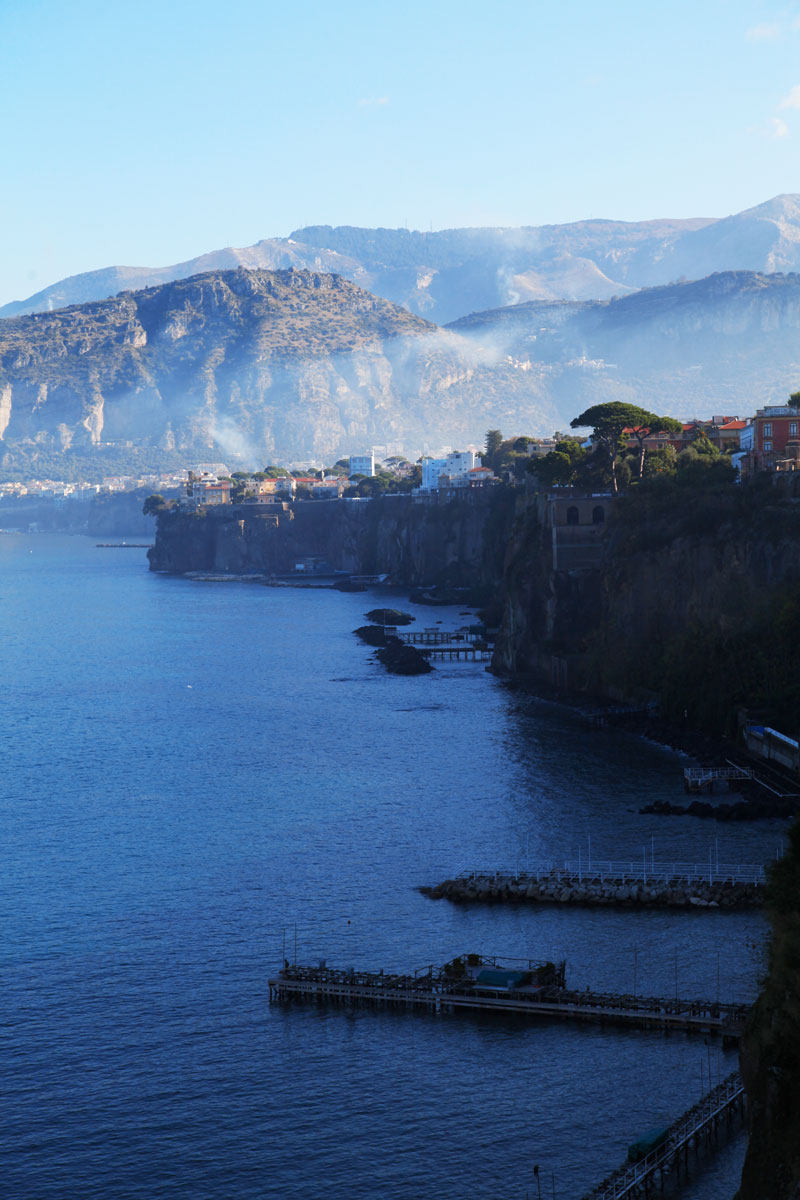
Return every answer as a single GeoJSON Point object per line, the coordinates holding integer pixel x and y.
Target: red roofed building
{"type": "Point", "coordinates": [773, 428]}
{"type": "Point", "coordinates": [724, 432]}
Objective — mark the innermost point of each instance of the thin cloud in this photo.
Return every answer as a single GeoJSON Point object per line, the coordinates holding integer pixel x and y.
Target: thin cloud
{"type": "Point", "coordinates": [764, 33]}
{"type": "Point", "coordinates": [373, 101]}
{"type": "Point", "coordinates": [778, 128]}
{"type": "Point", "coordinates": [792, 100]}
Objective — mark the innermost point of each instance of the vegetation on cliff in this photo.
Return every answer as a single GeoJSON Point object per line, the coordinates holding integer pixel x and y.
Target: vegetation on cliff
{"type": "Point", "coordinates": [701, 600]}
{"type": "Point", "coordinates": [770, 1052]}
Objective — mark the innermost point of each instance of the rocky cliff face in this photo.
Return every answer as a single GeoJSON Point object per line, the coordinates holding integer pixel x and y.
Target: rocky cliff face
{"type": "Point", "coordinates": [118, 515]}
{"type": "Point", "coordinates": [245, 365]}
{"type": "Point", "coordinates": [770, 1051]}
{"type": "Point", "coordinates": [459, 544]}
{"type": "Point", "coordinates": [697, 601]}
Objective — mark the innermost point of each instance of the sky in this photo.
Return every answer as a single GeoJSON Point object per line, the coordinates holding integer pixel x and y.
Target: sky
{"type": "Point", "coordinates": [149, 132]}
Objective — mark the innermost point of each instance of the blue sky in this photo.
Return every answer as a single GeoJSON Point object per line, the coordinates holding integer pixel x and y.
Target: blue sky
{"type": "Point", "coordinates": [147, 133]}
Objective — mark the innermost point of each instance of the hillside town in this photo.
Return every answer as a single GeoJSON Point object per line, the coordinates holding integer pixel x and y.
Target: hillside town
{"type": "Point", "coordinates": [766, 441]}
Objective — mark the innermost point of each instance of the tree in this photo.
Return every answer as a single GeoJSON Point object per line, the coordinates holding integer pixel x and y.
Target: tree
{"type": "Point", "coordinates": [794, 399]}
{"type": "Point", "coordinates": [494, 440]}
{"type": "Point", "coordinates": [654, 425]}
{"type": "Point", "coordinates": [511, 455]}
{"type": "Point", "coordinates": [154, 505]}
{"type": "Point", "coordinates": [560, 466]}
{"type": "Point", "coordinates": [609, 421]}
{"type": "Point", "coordinates": [660, 462]}
{"type": "Point", "coordinates": [701, 443]}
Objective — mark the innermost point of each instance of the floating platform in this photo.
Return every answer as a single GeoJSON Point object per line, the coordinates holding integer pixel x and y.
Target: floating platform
{"type": "Point", "coordinates": [536, 990]}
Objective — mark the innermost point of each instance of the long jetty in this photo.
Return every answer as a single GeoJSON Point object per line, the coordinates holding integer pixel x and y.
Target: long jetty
{"type": "Point", "coordinates": [533, 990]}
{"type": "Point", "coordinates": [631, 884]}
{"type": "Point", "coordinates": [696, 1128]}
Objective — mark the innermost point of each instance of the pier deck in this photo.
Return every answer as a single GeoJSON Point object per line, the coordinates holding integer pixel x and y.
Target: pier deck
{"type": "Point", "coordinates": [694, 1128]}
{"type": "Point", "coordinates": [698, 779]}
{"type": "Point", "coordinates": [644, 873]}
{"type": "Point", "coordinates": [439, 637]}
{"type": "Point", "coordinates": [458, 653]}
{"type": "Point", "coordinates": [441, 990]}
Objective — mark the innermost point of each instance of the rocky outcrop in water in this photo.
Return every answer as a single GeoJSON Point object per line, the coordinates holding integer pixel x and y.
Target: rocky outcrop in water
{"type": "Point", "coordinates": [401, 659]}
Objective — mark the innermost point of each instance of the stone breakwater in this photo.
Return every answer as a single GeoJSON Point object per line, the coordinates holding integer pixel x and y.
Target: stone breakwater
{"type": "Point", "coordinates": [662, 893]}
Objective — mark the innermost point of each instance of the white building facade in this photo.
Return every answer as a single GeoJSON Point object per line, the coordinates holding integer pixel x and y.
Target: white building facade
{"type": "Point", "coordinates": [456, 466]}
{"type": "Point", "coordinates": [362, 464]}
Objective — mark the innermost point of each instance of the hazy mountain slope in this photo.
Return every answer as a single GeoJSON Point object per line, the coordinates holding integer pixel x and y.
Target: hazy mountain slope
{"type": "Point", "coordinates": [764, 238]}
{"type": "Point", "coordinates": [441, 275]}
{"type": "Point", "coordinates": [449, 273]}
{"type": "Point", "coordinates": [247, 364]}
{"type": "Point", "coordinates": [271, 254]}
{"type": "Point", "coordinates": [724, 344]}
{"type": "Point", "coordinates": [452, 272]}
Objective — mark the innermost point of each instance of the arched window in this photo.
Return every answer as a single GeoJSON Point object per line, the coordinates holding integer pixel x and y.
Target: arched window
{"type": "Point", "coordinates": [573, 516]}
{"type": "Point", "coordinates": [598, 514]}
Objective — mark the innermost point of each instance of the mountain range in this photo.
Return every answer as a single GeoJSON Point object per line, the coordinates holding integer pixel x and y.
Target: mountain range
{"type": "Point", "coordinates": [447, 274]}
{"type": "Point", "coordinates": [258, 366]}
{"type": "Point", "coordinates": [250, 365]}
{"type": "Point", "coordinates": [725, 344]}
{"type": "Point", "coordinates": [291, 363]}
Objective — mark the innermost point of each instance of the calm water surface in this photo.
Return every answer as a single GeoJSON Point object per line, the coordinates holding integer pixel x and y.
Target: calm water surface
{"type": "Point", "coordinates": [191, 771]}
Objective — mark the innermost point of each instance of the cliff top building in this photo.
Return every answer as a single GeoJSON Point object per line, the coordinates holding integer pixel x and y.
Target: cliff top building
{"type": "Point", "coordinates": [362, 464]}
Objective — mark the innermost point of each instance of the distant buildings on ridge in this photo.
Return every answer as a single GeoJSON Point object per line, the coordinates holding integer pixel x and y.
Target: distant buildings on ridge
{"type": "Point", "coordinates": [767, 441]}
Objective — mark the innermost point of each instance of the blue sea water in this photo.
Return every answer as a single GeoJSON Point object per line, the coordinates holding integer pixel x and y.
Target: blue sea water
{"type": "Point", "coordinates": [195, 775]}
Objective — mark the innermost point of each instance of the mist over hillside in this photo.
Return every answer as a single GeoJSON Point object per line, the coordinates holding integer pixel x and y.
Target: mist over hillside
{"type": "Point", "coordinates": [255, 366]}
{"type": "Point", "coordinates": [252, 366]}
{"type": "Point", "coordinates": [724, 344]}
{"type": "Point", "coordinates": [447, 274]}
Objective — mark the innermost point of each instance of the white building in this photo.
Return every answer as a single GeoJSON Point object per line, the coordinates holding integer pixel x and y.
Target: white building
{"type": "Point", "coordinates": [362, 464]}
{"type": "Point", "coordinates": [432, 468]}
{"type": "Point", "coordinates": [456, 466]}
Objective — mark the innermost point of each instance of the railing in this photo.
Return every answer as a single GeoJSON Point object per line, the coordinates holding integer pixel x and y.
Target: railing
{"type": "Point", "coordinates": [645, 871]}
{"type": "Point", "coordinates": [709, 774]}
{"type": "Point", "coordinates": [437, 637]}
{"type": "Point", "coordinates": [629, 1179]}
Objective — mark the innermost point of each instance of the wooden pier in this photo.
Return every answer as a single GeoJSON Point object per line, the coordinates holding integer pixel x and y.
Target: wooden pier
{"type": "Point", "coordinates": [472, 653]}
{"type": "Point", "coordinates": [697, 779]}
{"type": "Point", "coordinates": [698, 1128]}
{"type": "Point", "coordinates": [531, 989]}
{"type": "Point", "coordinates": [615, 713]}
{"type": "Point", "coordinates": [447, 645]}
{"type": "Point", "coordinates": [438, 637]}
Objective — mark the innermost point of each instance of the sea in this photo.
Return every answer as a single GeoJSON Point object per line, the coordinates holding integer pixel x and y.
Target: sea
{"type": "Point", "coordinates": [200, 779]}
